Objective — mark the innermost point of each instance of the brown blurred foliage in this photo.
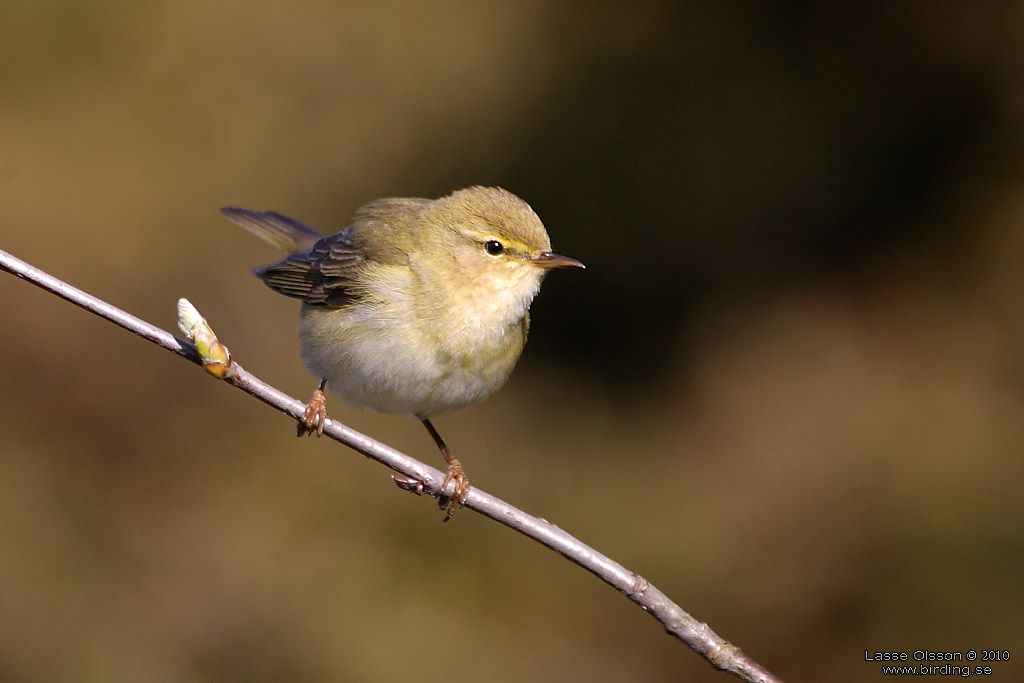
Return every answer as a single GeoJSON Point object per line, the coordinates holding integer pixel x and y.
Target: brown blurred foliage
{"type": "Point", "coordinates": [789, 389]}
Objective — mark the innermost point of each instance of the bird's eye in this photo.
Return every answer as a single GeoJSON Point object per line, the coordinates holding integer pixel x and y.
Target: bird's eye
{"type": "Point", "coordinates": [494, 247]}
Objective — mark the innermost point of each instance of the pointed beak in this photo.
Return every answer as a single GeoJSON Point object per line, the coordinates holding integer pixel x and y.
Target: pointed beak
{"type": "Point", "coordinates": [549, 259]}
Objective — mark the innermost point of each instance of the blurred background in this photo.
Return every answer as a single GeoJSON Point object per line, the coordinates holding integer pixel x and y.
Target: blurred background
{"type": "Point", "coordinates": [788, 389]}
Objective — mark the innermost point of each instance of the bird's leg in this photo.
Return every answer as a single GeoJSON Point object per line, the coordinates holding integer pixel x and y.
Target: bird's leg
{"type": "Point", "coordinates": [316, 413]}
{"type": "Point", "coordinates": [455, 474]}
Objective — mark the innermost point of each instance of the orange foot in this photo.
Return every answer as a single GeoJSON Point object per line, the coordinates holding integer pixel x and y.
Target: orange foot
{"type": "Point", "coordinates": [455, 474]}
{"type": "Point", "coordinates": [315, 416]}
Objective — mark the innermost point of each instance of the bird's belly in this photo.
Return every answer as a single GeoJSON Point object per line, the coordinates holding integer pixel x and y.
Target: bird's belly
{"type": "Point", "coordinates": [391, 368]}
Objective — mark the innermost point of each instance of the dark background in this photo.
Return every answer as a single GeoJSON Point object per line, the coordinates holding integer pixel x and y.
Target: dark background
{"type": "Point", "coordinates": [788, 389]}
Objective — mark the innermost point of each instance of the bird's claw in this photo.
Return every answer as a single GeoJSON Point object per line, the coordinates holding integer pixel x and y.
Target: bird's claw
{"type": "Point", "coordinates": [460, 494]}
{"type": "Point", "coordinates": [314, 417]}
{"type": "Point", "coordinates": [408, 484]}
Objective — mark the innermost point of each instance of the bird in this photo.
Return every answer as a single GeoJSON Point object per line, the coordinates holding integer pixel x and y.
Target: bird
{"type": "Point", "coordinates": [418, 307]}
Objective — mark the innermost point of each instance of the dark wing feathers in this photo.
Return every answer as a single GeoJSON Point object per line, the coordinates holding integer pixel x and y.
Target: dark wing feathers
{"type": "Point", "coordinates": [320, 276]}
{"type": "Point", "coordinates": [322, 270]}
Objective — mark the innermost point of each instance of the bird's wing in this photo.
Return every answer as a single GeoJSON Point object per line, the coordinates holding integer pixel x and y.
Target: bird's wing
{"type": "Point", "coordinates": [322, 275]}
{"type": "Point", "coordinates": [323, 272]}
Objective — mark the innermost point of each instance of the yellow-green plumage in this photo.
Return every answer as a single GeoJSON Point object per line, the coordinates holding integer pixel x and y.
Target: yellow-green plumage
{"type": "Point", "coordinates": [412, 308]}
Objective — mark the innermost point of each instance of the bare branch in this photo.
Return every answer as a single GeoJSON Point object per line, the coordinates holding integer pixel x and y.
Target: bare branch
{"type": "Point", "coordinates": [419, 477]}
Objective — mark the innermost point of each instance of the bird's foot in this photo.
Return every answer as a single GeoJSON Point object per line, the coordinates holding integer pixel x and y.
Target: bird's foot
{"type": "Point", "coordinates": [458, 498]}
{"type": "Point", "coordinates": [315, 416]}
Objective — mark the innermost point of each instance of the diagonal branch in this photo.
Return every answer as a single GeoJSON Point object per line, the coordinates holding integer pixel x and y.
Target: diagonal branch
{"type": "Point", "coordinates": [697, 635]}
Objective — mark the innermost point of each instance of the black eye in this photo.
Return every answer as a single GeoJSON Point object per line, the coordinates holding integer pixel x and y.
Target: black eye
{"type": "Point", "coordinates": [494, 247]}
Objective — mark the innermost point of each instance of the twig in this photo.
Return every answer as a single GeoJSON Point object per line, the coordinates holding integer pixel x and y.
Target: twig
{"type": "Point", "coordinates": [697, 635]}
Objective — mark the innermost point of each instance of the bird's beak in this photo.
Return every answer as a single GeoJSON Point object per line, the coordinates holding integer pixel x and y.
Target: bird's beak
{"type": "Point", "coordinates": [549, 259]}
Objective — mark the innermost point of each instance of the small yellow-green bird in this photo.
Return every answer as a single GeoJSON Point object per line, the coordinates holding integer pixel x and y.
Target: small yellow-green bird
{"type": "Point", "coordinates": [419, 307]}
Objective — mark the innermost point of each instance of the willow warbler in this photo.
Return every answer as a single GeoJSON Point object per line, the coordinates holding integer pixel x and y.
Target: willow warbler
{"type": "Point", "coordinates": [419, 307]}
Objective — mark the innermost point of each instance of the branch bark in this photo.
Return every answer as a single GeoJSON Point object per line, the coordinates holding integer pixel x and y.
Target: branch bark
{"type": "Point", "coordinates": [695, 634]}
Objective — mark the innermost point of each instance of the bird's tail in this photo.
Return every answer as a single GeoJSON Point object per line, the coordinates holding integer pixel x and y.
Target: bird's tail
{"type": "Point", "coordinates": [287, 234]}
